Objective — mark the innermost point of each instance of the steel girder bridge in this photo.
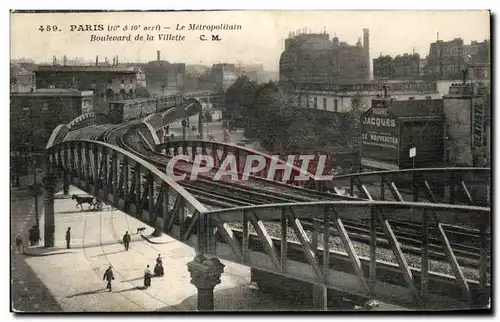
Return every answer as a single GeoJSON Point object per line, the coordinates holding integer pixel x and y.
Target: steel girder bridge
{"type": "Point", "coordinates": [418, 238]}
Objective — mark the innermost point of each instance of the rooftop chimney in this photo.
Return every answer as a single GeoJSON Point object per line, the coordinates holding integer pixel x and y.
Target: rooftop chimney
{"type": "Point", "coordinates": [158, 56]}
{"type": "Point", "coordinates": [97, 61]}
{"type": "Point", "coordinates": [366, 47]}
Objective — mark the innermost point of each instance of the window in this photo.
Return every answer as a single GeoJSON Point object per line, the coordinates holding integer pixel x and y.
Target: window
{"type": "Point", "coordinates": [428, 97]}
{"type": "Point", "coordinates": [315, 102]}
{"type": "Point", "coordinates": [307, 101]}
{"type": "Point", "coordinates": [335, 105]}
{"type": "Point", "coordinates": [411, 98]}
{"type": "Point", "coordinates": [324, 103]}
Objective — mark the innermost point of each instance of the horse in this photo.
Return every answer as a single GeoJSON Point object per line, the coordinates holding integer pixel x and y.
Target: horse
{"type": "Point", "coordinates": [80, 201]}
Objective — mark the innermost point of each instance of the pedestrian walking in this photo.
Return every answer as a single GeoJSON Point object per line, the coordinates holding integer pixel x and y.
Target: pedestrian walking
{"type": "Point", "coordinates": [19, 244]}
{"type": "Point", "coordinates": [68, 237]}
{"type": "Point", "coordinates": [108, 276]}
{"type": "Point", "coordinates": [147, 277]}
{"type": "Point", "coordinates": [126, 240]}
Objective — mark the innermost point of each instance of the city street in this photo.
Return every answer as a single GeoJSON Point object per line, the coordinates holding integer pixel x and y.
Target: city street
{"type": "Point", "coordinates": [29, 294]}
{"type": "Point", "coordinates": [74, 276]}
{"type": "Point", "coordinates": [214, 129]}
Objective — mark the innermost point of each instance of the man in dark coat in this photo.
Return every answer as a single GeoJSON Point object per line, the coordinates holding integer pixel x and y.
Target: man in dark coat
{"type": "Point", "coordinates": [68, 237]}
{"type": "Point", "coordinates": [19, 244]}
{"type": "Point", "coordinates": [108, 276]}
{"type": "Point", "coordinates": [147, 277]}
{"type": "Point", "coordinates": [126, 240]}
{"type": "Point", "coordinates": [31, 236]}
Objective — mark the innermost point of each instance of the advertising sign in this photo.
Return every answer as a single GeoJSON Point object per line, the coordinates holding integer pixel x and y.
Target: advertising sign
{"type": "Point", "coordinates": [379, 136]}
{"type": "Point", "coordinates": [478, 116]}
{"type": "Point", "coordinates": [413, 152]}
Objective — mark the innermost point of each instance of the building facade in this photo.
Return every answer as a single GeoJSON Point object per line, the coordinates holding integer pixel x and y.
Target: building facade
{"type": "Point", "coordinates": [21, 80]}
{"type": "Point", "coordinates": [467, 108]}
{"type": "Point", "coordinates": [107, 82]}
{"type": "Point", "coordinates": [389, 129]}
{"type": "Point", "coordinates": [33, 115]}
{"type": "Point", "coordinates": [223, 76]}
{"type": "Point", "coordinates": [401, 67]}
{"type": "Point", "coordinates": [162, 76]}
{"type": "Point", "coordinates": [340, 98]}
{"type": "Point", "coordinates": [448, 59]}
{"type": "Point", "coordinates": [383, 68]}
{"type": "Point", "coordinates": [314, 58]}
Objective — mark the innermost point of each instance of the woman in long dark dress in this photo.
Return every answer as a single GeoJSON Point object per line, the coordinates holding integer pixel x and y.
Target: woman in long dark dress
{"type": "Point", "coordinates": [159, 266]}
{"type": "Point", "coordinates": [147, 277]}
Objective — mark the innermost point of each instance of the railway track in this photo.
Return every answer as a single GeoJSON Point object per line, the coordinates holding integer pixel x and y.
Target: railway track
{"type": "Point", "coordinates": [228, 194]}
{"type": "Point", "coordinates": [91, 132]}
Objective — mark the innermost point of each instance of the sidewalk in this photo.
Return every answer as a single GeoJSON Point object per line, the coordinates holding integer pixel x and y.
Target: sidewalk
{"type": "Point", "coordinates": [74, 276]}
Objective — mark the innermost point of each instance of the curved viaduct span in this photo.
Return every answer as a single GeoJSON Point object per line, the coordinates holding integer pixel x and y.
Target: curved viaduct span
{"type": "Point", "coordinates": [416, 238]}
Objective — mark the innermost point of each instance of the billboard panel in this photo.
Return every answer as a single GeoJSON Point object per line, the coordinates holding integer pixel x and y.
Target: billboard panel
{"type": "Point", "coordinates": [379, 136]}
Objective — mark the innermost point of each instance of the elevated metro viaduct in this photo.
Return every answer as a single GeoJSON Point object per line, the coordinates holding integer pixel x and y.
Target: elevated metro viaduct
{"type": "Point", "coordinates": [140, 189]}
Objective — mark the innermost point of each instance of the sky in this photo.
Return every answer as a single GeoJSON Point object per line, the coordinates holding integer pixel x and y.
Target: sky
{"type": "Point", "coordinates": [260, 40]}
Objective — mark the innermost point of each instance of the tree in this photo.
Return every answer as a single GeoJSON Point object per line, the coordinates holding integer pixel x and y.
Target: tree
{"type": "Point", "coordinates": [276, 123]}
{"type": "Point", "coordinates": [300, 133]}
{"type": "Point", "coordinates": [236, 98]}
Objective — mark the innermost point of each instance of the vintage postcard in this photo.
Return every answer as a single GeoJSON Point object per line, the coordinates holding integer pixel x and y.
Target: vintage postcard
{"type": "Point", "coordinates": [250, 161]}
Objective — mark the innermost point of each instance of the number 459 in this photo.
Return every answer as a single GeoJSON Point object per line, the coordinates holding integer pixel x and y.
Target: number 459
{"type": "Point", "coordinates": [48, 28]}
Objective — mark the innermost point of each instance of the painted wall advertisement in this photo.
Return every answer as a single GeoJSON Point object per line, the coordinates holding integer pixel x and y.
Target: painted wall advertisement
{"type": "Point", "coordinates": [458, 131]}
{"type": "Point", "coordinates": [379, 136]}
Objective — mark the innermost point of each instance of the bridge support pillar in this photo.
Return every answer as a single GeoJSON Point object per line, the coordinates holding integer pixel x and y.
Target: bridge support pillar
{"type": "Point", "coordinates": [205, 275]}
{"type": "Point", "coordinates": [49, 184]}
{"type": "Point", "coordinates": [66, 183]}
{"type": "Point", "coordinates": [320, 298]}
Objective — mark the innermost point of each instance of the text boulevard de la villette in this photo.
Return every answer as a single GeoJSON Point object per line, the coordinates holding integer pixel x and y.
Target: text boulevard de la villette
{"type": "Point", "coordinates": [128, 38]}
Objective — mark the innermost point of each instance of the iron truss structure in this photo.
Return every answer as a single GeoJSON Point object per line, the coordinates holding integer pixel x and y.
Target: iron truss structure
{"type": "Point", "coordinates": [425, 241]}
